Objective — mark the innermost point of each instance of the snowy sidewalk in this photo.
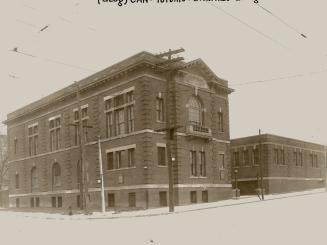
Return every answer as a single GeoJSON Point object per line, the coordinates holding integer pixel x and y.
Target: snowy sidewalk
{"type": "Point", "coordinates": [163, 211]}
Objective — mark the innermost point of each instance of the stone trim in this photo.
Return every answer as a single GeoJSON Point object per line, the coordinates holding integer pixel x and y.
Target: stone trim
{"type": "Point", "coordinates": [280, 178]}
{"type": "Point", "coordinates": [119, 188]}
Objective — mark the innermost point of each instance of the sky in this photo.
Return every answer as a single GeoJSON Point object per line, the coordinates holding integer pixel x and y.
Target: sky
{"type": "Point", "coordinates": [279, 76]}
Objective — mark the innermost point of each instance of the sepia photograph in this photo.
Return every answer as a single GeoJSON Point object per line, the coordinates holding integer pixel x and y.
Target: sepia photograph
{"type": "Point", "coordinates": [163, 122]}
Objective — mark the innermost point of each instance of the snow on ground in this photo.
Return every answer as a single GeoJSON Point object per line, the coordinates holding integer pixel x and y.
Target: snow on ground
{"type": "Point", "coordinates": [296, 218]}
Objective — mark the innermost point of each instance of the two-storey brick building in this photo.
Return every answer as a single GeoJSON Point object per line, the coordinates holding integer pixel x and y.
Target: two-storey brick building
{"type": "Point", "coordinates": [125, 105]}
{"type": "Point", "coordinates": [287, 164]}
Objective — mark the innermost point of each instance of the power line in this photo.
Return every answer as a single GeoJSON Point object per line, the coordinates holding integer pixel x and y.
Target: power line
{"type": "Point", "coordinates": [280, 78]}
{"type": "Point", "coordinates": [27, 23]}
{"type": "Point", "coordinates": [57, 16]}
{"type": "Point", "coordinates": [281, 20]}
{"type": "Point", "coordinates": [251, 27]}
{"type": "Point", "coordinates": [15, 50]}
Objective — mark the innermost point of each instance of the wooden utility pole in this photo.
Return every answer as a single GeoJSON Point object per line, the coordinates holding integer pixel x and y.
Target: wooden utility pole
{"type": "Point", "coordinates": [169, 136]}
{"type": "Point", "coordinates": [261, 167]}
{"type": "Point", "coordinates": [170, 114]}
{"type": "Point", "coordinates": [103, 203]}
{"type": "Point", "coordinates": [83, 166]}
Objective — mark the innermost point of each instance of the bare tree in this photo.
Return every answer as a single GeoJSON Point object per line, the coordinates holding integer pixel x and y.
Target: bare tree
{"type": "Point", "coordinates": [3, 164]}
{"type": "Point", "coordinates": [3, 172]}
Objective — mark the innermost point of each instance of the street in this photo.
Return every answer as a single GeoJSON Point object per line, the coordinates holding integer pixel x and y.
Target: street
{"type": "Point", "coordinates": [283, 220]}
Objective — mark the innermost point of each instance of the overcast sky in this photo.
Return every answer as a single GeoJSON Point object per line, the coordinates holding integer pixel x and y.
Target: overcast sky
{"type": "Point", "coordinates": [83, 37]}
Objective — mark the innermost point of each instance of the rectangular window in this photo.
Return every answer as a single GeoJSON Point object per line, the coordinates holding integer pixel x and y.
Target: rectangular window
{"type": "Point", "coordinates": [17, 202]}
{"type": "Point", "coordinates": [312, 160]}
{"type": "Point", "coordinates": [205, 196]}
{"type": "Point", "coordinates": [203, 164]}
{"type": "Point", "coordinates": [76, 115]}
{"type": "Point", "coordinates": [301, 158]}
{"type": "Point", "coordinates": [221, 160]}
{"type": "Point", "coordinates": [220, 122]}
{"type": "Point", "coordinates": [193, 163]}
{"type": "Point", "coordinates": [130, 119]}
{"type": "Point", "coordinates": [37, 202]}
{"type": "Point", "coordinates": [111, 200]}
{"type": "Point", "coordinates": [108, 104]}
{"type": "Point", "coordinates": [76, 135]}
{"type": "Point", "coordinates": [295, 158]}
{"type": "Point", "coordinates": [15, 146]}
{"type": "Point", "coordinates": [256, 156]}
{"type": "Point", "coordinates": [163, 198]}
{"type": "Point", "coordinates": [119, 100]}
{"type": "Point", "coordinates": [78, 201]}
{"type": "Point", "coordinates": [132, 199]}
{"type": "Point", "coordinates": [282, 156]}
{"type": "Point", "coordinates": [84, 113]}
{"type": "Point", "coordinates": [160, 109]}
{"type": "Point", "coordinates": [193, 197]}
{"type": "Point", "coordinates": [130, 96]}
{"type": "Point", "coordinates": [59, 202]}
{"type": "Point", "coordinates": [131, 157]}
{"type": "Point", "coordinates": [316, 165]}
{"type": "Point", "coordinates": [246, 158]}
{"type": "Point", "coordinates": [236, 158]}
{"type": "Point", "coordinates": [32, 202]}
{"type": "Point", "coordinates": [221, 175]}
{"type": "Point", "coordinates": [55, 133]}
{"type": "Point", "coordinates": [161, 156]}
{"type": "Point", "coordinates": [17, 181]}
{"type": "Point", "coordinates": [120, 118]}
{"type": "Point", "coordinates": [54, 202]}
{"type": "Point", "coordinates": [110, 124]}
{"type": "Point", "coordinates": [276, 156]}
{"type": "Point", "coordinates": [33, 139]}
{"type": "Point", "coordinates": [120, 121]}
{"type": "Point", "coordinates": [85, 117]}
{"type": "Point", "coordinates": [118, 159]}
{"type": "Point", "coordinates": [110, 161]}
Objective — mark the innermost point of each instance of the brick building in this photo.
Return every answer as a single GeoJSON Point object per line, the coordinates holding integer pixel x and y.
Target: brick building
{"type": "Point", "coordinates": [125, 105]}
{"type": "Point", "coordinates": [288, 164]}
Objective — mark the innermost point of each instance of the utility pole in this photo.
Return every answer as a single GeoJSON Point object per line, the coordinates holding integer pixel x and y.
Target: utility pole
{"type": "Point", "coordinates": [170, 113]}
{"type": "Point", "coordinates": [81, 136]}
{"type": "Point", "coordinates": [261, 167]}
{"type": "Point", "coordinates": [103, 204]}
{"type": "Point", "coordinates": [169, 136]}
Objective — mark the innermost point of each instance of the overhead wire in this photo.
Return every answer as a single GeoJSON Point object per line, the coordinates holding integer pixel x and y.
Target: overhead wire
{"type": "Point", "coordinates": [15, 50]}
{"type": "Point", "coordinates": [276, 42]}
{"type": "Point", "coordinates": [279, 78]}
{"type": "Point", "coordinates": [281, 20]}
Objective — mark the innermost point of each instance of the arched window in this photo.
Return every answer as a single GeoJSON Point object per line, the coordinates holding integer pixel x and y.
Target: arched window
{"type": "Point", "coordinates": [56, 174]}
{"type": "Point", "coordinates": [195, 111]}
{"type": "Point", "coordinates": [34, 178]}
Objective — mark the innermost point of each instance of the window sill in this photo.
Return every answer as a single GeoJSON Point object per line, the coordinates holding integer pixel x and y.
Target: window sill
{"type": "Point", "coordinates": [119, 169]}
{"type": "Point", "coordinates": [198, 177]}
{"type": "Point", "coordinates": [162, 166]}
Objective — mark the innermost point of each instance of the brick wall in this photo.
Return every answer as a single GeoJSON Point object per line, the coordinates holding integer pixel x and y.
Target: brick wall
{"type": "Point", "coordinates": [146, 179]}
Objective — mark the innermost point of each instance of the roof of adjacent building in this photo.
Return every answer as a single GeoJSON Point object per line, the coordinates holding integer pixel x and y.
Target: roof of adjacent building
{"type": "Point", "coordinates": [111, 72]}
{"type": "Point", "coordinates": [274, 139]}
